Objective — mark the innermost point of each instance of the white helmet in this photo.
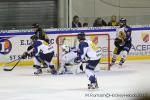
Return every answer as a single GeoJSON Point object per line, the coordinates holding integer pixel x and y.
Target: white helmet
{"type": "Point", "coordinates": [65, 48]}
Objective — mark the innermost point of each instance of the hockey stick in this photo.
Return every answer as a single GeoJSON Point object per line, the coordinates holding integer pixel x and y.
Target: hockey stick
{"type": "Point", "coordinates": [13, 66]}
{"type": "Point", "coordinates": [9, 62]}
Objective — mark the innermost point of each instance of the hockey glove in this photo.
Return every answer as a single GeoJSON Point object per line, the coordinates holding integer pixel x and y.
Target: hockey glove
{"type": "Point", "coordinates": [77, 60]}
{"type": "Point", "coordinates": [29, 48]}
{"type": "Point", "coordinates": [118, 42]}
{"type": "Point", "coordinates": [31, 54]}
{"type": "Point", "coordinates": [24, 56]}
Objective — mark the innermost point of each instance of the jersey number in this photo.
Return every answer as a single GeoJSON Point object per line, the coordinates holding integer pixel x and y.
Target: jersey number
{"type": "Point", "coordinates": [122, 35]}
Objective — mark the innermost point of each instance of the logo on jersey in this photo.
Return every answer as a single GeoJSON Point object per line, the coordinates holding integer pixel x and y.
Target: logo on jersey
{"type": "Point", "coordinates": [94, 39]}
{"type": "Point", "coordinates": [5, 45]}
{"type": "Point", "coordinates": [145, 37]}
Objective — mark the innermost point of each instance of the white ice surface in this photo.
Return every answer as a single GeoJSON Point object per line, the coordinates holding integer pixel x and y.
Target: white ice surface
{"type": "Point", "coordinates": [21, 84]}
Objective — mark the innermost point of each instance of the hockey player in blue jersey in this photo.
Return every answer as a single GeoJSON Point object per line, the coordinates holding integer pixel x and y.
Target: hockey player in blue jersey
{"type": "Point", "coordinates": [122, 42]}
{"type": "Point", "coordinates": [87, 49]}
{"type": "Point", "coordinates": [42, 52]}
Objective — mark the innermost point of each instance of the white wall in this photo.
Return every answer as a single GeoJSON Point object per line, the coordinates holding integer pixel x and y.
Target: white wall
{"type": "Point", "coordinates": [62, 13]}
{"type": "Point", "coordinates": [136, 11]}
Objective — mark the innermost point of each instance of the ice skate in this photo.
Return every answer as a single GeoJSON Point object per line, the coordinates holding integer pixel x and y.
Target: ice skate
{"type": "Point", "coordinates": [60, 72]}
{"type": "Point", "coordinates": [121, 62]}
{"type": "Point", "coordinates": [111, 64]}
{"type": "Point", "coordinates": [93, 86]}
{"type": "Point", "coordinates": [53, 71]}
{"type": "Point", "coordinates": [39, 71]}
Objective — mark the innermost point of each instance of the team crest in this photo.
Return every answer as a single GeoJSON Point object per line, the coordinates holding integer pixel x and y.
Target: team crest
{"type": "Point", "coordinates": [145, 37]}
{"type": "Point", "coordinates": [5, 45]}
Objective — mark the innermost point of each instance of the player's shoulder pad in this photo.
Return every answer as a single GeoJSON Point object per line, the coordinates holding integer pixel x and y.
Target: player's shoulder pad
{"type": "Point", "coordinates": [83, 44]}
{"type": "Point", "coordinates": [37, 43]}
{"type": "Point", "coordinates": [128, 28]}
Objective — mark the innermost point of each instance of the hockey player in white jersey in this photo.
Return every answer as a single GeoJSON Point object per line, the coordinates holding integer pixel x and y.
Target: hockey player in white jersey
{"type": "Point", "coordinates": [88, 49]}
{"type": "Point", "coordinates": [67, 57]}
{"type": "Point", "coordinates": [42, 52]}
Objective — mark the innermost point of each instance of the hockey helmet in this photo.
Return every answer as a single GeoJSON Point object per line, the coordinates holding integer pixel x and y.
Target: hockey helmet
{"type": "Point", "coordinates": [81, 36]}
{"type": "Point", "coordinates": [35, 25]}
{"type": "Point", "coordinates": [122, 21]}
{"type": "Point", "coordinates": [65, 48]}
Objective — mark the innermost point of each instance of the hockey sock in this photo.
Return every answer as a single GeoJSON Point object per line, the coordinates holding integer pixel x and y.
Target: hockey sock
{"type": "Point", "coordinates": [123, 57]}
{"type": "Point", "coordinates": [124, 54]}
{"type": "Point", "coordinates": [114, 58]}
{"type": "Point", "coordinates": [92, 79]}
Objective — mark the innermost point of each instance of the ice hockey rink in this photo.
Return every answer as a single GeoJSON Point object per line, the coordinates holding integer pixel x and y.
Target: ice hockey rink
{"type": "Point", "coordinates": [120, 83]}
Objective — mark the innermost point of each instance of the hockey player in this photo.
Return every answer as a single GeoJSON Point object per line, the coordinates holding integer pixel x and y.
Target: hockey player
{"type": "Point", "coordinates": [88, 49]}
{"type": "Point", "coordinates": [122, 42]}
{"type": "Point", "coordinates": [42, 52]}
{"type": "Point", "coordinates": [41, 35]}
{"type": "Point", "coordinates": [67, 57]}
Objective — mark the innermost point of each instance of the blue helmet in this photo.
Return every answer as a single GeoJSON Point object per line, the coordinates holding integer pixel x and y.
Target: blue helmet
{"type": "Point", "coordinates": [81, 36]}
{"type": "Point", "coordinates": [123, 21]}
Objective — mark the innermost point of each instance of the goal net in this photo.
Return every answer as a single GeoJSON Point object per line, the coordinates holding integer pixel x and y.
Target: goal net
{"type": "Point", "coordinates": [101, 41]}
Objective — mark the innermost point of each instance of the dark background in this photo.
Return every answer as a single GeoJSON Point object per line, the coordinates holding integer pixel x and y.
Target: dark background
{"type": "Point", "coordinates": [21, 14]}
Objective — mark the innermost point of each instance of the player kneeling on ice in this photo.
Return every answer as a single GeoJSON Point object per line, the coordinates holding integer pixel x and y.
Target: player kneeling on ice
{"type": "Point", "coordinates": [87, 49]}
{"type": "Point", "coordinates": [42, 53]}
{"type": "Point", "coordinates": [67, 58]}
{"type": "Point", "coordinates": [122, 42]}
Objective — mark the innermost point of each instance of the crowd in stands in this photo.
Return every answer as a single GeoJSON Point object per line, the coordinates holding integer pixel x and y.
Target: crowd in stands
{"type": "Point", "coordinates": [99, 22]}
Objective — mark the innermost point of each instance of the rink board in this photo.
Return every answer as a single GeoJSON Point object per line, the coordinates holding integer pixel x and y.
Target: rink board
{"type": "Point", "coordinates": [14, 42]}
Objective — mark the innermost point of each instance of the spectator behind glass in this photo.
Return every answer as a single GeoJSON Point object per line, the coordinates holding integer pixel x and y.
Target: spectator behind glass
{"type": "Point", "coordinates": [85, 24]}
{"type": "Point", "coordinates": [113, 21]}
{"type": "Point", "coordinates": [75, 22]}
{"type": "Point", "coordinates": [99, 22]}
